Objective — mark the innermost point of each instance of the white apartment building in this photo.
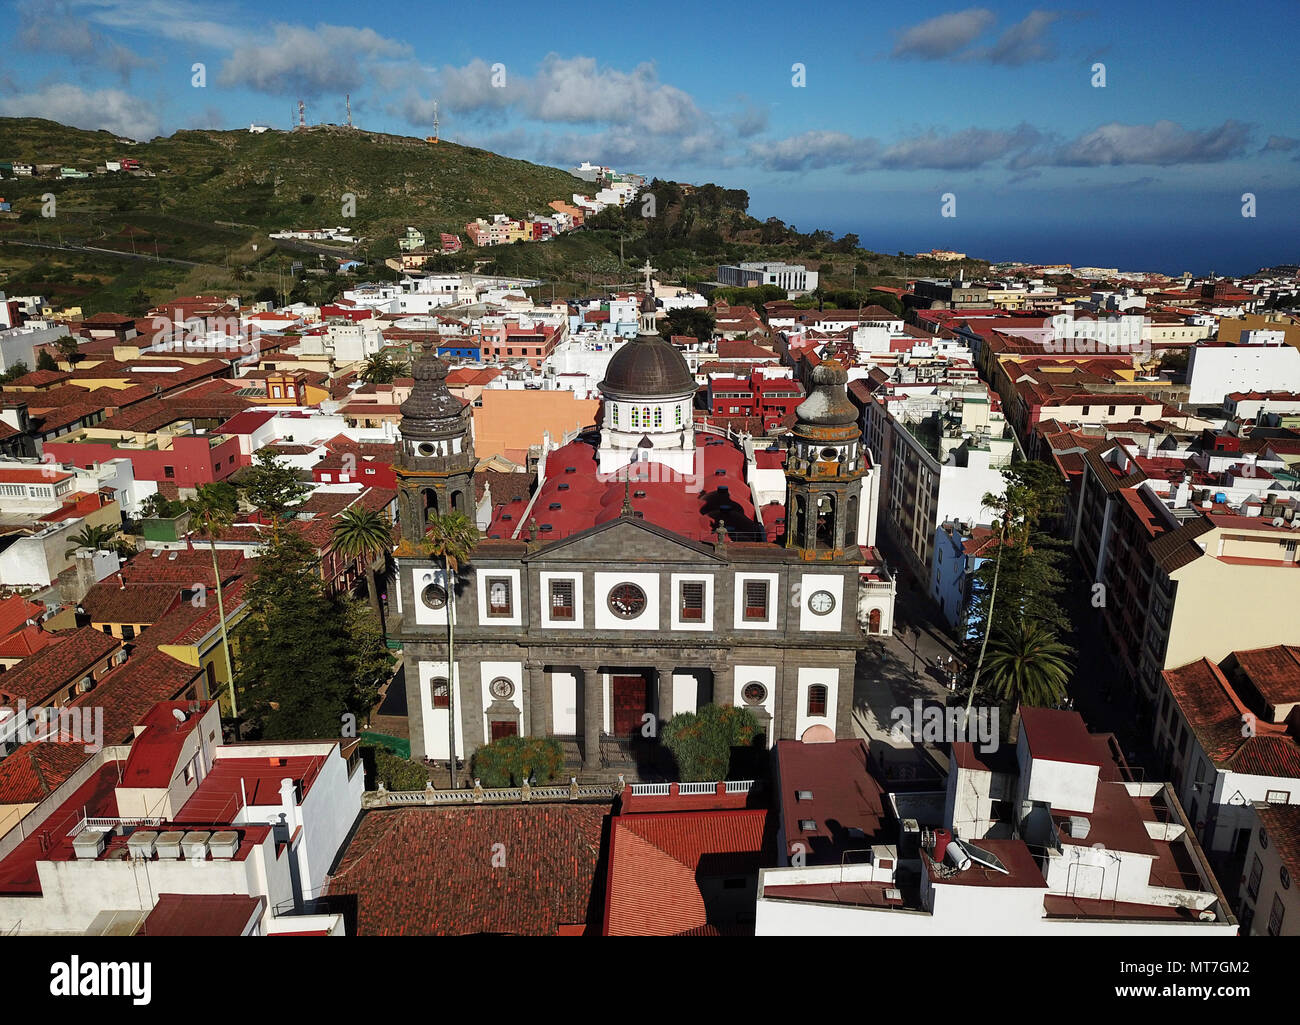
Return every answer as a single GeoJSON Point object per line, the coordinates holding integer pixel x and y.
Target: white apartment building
{"type": "Point", "coordinates": [1261, 362]}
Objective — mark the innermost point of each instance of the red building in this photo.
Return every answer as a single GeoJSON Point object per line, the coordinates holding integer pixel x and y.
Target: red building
{"type": "Point", "coordinates": [190, 461]}
{"type": "Point", "coordinates": [770, 399]}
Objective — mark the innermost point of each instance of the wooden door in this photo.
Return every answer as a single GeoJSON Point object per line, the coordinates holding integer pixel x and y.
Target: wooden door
{"type": "Point", "coordinates": [504, 728]}
{"type": "Point", "coordinates": [631, 699]}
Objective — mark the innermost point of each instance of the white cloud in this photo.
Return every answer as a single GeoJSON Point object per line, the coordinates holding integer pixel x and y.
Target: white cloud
{"type": "Point", "coordinates": [109, 109]}
{"type": "Point", "coordinates": [943, 36]}
{"type": "Point", "coordinates": [1162, 144]}
{"type": "Point", "coordinates": [308, 61]}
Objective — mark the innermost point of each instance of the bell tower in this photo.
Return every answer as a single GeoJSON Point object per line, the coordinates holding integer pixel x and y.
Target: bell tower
{"type": "Point", "coordinates": [435, 457]}
{"type": "Point", "coordinates": [825, 468]}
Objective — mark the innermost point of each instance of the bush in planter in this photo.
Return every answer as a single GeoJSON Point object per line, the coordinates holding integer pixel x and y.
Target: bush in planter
{"type": "Point", "coordinates": [701, 742]}
{"type": "Point", "coordinates": [398, 773]}
{"type": "Point", "coordinates": [509, 761]}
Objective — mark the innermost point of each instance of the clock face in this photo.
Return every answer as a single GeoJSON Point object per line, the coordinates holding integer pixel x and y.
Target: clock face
{"type": "Point", "coordinates": [627, 601]}
{"type": "Point", "coordinates": [501, 688]}
{"type": "Point", "coordinates": [754, 693]}
{"type": "Point", "coordinates": [821, 602]}
{"type": "Point", "coordinates": [434, 596]}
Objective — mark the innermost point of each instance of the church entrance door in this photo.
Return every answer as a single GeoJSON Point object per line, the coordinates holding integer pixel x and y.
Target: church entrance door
{"type": "Point", "coordinates": [631, 700]}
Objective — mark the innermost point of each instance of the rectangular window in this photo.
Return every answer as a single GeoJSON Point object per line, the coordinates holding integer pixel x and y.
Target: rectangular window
{"type": "Point", "coordinates": [615, 414]}
{"type": "Point", "coordinates": [755, 599]}
{"type": "Point", "coordinates": [1275, 917]}
{"type": "Point", "coordinates": [677, 416]}
{"type": "Point", "coordinates": [1278, 797]}
{"type": "Point", "coordinates": [169, 471]}
{"type": "Point", "coordinates": [561, 599]}
{"type": "Point", "coordinates": [659, 416]}
{"type": "Point", "coordinates": [817, 699]}
{"type": "Point", "coordinates": [1252, 884]}
{"type": "Point", "coordinates": [692, 601]}
{"type": "Point", "coordinates": [128, 632]}
{"type": "Point", "coordinates": [499, 603]}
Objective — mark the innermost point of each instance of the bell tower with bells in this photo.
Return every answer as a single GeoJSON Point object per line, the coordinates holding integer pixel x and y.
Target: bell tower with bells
{"type": "Point", "coordinates": [825, 468]}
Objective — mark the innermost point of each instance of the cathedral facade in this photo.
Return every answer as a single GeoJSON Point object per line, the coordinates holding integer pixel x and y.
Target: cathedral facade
{"type": "Point", "coordinates": [640, 579]}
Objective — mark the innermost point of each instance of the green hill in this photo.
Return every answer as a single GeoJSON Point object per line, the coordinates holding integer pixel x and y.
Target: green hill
{"type": "Point", "coordinates": [209, 199]}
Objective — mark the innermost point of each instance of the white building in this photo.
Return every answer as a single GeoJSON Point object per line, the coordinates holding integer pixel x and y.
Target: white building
{"type": "Point", "coordinates": [1261, 362]}
{"type": "Point", "coordinates": [261, 825]}
{"type": "Point", "coordinates": [1052, 838]}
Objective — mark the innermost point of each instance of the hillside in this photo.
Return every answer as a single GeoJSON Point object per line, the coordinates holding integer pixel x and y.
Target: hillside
{"type": "Point", "coordinates": [199, 220]}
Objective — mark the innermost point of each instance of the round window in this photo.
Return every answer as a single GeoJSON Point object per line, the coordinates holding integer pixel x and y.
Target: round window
{"type": "Point", "coordinates": [830, 454]}
{"type": "Point", "coordinates": [501, 688]}
{"type": "Point", "coordinates": [754, 693]}
{"type": "Point", "coordinates": [434, 596]}
{"type": "Point", "coordinates": [627, 601]}
{"type": "Point", "coordinates": [426, 449]}
{"type": "Point", "coordinates": [821, 602]}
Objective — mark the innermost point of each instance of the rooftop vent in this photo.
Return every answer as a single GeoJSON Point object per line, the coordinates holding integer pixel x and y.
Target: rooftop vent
{"type": "Point", "coordinates": [562, 487]}
{"type": "Point", "coordinates": [506, 516]}
{"type": "Point", "coordinates": [545, 527]}
{"type": "Point", "coordinates": [224, 843]}
{"type": "Point", "coordinates": [195, 843]}
{"type": "Point", "coordinates": [142, 843]}
{"type": "Point", "coordinates": [638, 494]}
{"type": "Point", "coordinates": [1078, 827]}
{"type": "Point", "coordinates": [554, 505]}
{"type": "Point", "coordinates": [570, 469]}
{"type": "Point", "coordinates": [89, 844]}
{"type": "Point", "coordinates": [169, 844]}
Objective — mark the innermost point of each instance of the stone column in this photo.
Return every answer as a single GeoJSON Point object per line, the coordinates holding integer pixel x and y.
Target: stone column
{"type": "Point", "coordinates": [665, 704]}
{"type": "Point", "coordinates": [787, 700]}
{"type": "Point", "coordinates": [539, 700]}
{"type": "Point", "coordinates": [593, 714]}
{"type": "Point", "coordinates": [722, 683]}
{"type": "Point", "coordinates": [844, 702]}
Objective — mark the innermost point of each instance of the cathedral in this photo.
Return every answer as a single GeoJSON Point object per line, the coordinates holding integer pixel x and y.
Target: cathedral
{"type": "Point", "coordinates": [648, 573]}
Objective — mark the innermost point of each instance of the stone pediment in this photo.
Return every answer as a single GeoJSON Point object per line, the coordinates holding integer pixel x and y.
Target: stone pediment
{"type": "Point", "coordinates": [627, 541]}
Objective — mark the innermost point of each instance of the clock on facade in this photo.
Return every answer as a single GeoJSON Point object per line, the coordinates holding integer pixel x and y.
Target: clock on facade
{"type": "Point", "coordinates": [627, 601]}
{"type": "Point", "coordinates": [754, 693]}
{"type": "Point", "coordinates": [821, 602]}
{"type": "Point", "coordinates": [501, 688]}
{"type": "Point", "coordinates": [434, 596]}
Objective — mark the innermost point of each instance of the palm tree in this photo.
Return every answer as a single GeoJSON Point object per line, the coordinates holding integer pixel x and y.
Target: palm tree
{"type": "Point", "coordinates": [451, 538]}
{"type": "Point", "coordinates": [214, 508]}
{"type": "Point", "coordinates": [1027, 665]}
{"type": "Point", "coordinates": [367, 535]}
{"type": "Point", "coordinates": [93, 537]}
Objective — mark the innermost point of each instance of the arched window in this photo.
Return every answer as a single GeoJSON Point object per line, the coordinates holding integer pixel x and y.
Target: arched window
{"type": "Point", "coordinates": [677, 415]}
{"type": "Point", "coordinates": [873, 622]}
{"type": "Point", "coordinates": [441, 691]}
{"type": "Point", "coordinates": [659, 416]}
{"type": "Point", "coordinates": [817, 699]}
{"type": "Point", "coordinates": [825, 521]}
{"type": "Point", "coordinates": [645, 416]}
{"type": "Point", "coordinates": [851, 522]}
{"type": "Point", "coordinates": [614, 414]}
{"type": "Point", "coordinates": [636, 416]}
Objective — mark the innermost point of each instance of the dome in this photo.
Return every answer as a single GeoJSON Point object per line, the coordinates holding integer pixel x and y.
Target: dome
{"type": "Point", "coordinates": [827, 404]}
{"type": "Point", "coordinates": [648, 367]}
{"type": "Point", "coordinates": [430, 409]}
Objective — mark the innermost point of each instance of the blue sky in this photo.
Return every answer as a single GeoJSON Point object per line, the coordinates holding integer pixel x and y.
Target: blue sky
{"type": "Point", "coordinates": [993, 103]}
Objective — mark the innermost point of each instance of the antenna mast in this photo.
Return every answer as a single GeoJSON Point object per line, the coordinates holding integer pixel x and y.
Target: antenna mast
{"type": "Point", "coordinates": [302, 114]}
{"type": "Point", "coordinates": [349, 103]}
{"type": "Point", "coordinates": [435, 120]}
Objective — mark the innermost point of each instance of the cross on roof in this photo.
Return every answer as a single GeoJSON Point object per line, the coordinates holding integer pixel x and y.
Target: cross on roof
{"type": "Point", "coordinates": [647, 270]}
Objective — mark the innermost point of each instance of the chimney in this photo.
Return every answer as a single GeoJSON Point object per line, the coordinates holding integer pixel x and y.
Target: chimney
{"type": "Point", "coordinates": [289, 802]}
{"type": "Point", "coordinates": [1184, 493]}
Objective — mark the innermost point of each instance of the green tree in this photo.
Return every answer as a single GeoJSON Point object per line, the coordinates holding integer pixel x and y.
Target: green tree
{"type": "Point", "coordinates": [1028, 665]}
{"type": "Point", "coordinates": [298, 669]}
{"type": "Point", "coordinates": [697, 323]}
{"type": "Point", "coordinates": [92, 537]}
{"type": "Point", "coordinates": [451, 538]}
{"type": "Point", "coordinates": [272, 485]}
{"type": "Point", "coordinates": [367, 535]}
{"type": "Point", "coordinates": [511, 760]}
{"type": "Point", "coordinates": [701, 742]}
{"type": "Point", "coordinates": [44, 361]}
{"type": "Point", "coordinates": [397, 773]}
{"type": "Point", "coordinates": [213, 509]}
{"type": "Point", "coordinates": [381, 369]}
{"type": "Point", "coordinates": [67, 346]}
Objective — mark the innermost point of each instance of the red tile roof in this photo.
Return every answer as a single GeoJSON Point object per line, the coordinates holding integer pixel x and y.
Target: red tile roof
{"type": "Point", "coordinates": [405, 884]}
{"type": "Point", "coordinates": [202, 914]}
{"type": "Point", "coordinates": [58, 666]}
{"type": "Point", "coordinates": [657, 862]}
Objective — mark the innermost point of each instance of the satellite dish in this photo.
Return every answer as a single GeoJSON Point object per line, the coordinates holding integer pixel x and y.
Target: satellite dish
{"type": "Point", "coordinates": [1278, 521]}
{"type": "Point", "coordinates": [178, 714]}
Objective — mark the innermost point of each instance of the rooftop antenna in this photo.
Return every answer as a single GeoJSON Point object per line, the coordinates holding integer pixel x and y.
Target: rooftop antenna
{"type": "Point", "coordinates": [435, 120]}
{"type": "Point", "coordinates": [348, 101]}
{"type": "Point", "coordinates": [302, 114]}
